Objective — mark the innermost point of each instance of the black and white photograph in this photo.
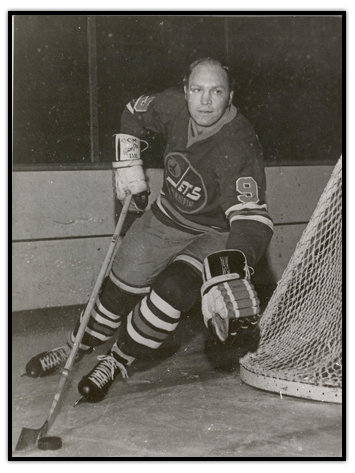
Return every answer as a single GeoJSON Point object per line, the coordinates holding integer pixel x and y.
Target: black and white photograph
{"type": "Point", "coordinates": [176, 231]}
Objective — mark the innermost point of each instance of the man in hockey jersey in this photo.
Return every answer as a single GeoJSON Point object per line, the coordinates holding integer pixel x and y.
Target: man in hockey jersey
{"type": "Point", "coordinates": [203, 236]}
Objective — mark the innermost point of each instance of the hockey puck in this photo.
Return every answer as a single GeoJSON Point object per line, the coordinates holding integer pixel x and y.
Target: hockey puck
{"type": "Point", "coordinates": [49, 443]}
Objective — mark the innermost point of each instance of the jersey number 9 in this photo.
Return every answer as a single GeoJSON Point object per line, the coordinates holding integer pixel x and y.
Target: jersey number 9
{"type": "Point", "coordinates": [248, 190]}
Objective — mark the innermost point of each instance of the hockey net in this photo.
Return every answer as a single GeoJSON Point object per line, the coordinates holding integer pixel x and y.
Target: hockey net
{"type": "Point", "coordinates": [300, 350]}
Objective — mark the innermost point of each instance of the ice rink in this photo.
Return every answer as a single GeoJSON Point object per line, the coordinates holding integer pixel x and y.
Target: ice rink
{"type": "Point", "coordinates": [189, 403]}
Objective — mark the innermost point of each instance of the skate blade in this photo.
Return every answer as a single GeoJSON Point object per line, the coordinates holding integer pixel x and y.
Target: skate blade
{"type": "Point", "coordinates": [81, 400]}
{"type": "Point", "coordinates": [29, 437]}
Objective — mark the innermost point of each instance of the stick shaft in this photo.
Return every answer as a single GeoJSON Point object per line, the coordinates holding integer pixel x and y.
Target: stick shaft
{"type": "Point", "coordinates": [90, 305]}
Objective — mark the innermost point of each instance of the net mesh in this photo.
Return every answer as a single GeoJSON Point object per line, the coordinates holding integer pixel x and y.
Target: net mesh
{"type": "Point", "coordinates": [300, 350]}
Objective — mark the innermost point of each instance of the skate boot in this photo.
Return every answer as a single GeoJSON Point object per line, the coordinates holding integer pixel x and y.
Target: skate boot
{"type": "Point", "coordinates": [49, 362]}
{"type": "Point", "coordinates": [94, 386]}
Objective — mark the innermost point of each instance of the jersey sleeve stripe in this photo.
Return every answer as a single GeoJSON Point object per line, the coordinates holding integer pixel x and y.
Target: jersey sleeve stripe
{"type": "Point", "coordinates": [250, 205]}
{"type": "Point", "coordinates": [257, 218]}
{"type": "Point", "coordinates": [262, 212]}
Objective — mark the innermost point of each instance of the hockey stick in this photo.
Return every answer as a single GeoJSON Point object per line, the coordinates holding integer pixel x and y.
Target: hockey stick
{"type": "Point", "coordinates": [29, 437]}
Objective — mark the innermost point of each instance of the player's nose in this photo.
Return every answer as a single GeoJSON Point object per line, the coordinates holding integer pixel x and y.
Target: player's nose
{"type": "Point", "coordinates": [206, 98]}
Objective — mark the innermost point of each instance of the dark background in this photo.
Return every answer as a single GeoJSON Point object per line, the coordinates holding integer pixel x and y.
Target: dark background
{"type": "Point", "coordinates": [288, 71]}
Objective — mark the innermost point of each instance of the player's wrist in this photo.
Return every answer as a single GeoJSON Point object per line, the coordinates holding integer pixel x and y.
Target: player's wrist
{"type": "Point", "coordinates": [127, 163]}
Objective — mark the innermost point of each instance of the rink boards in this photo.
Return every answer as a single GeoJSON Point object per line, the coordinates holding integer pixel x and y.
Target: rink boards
{"type": "Point", "coordinates": [63, 221]}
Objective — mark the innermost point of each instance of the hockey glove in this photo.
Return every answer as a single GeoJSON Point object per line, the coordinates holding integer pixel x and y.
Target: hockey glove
{"type": "Point", "coordinates": [229, 300]}
{"type": "Point", "coordinates": [128, 172]}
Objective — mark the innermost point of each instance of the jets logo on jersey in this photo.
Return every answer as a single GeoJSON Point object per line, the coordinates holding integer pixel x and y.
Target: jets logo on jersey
{"type": "Point", "coordinates": [184, 184]}
{"type": "Point", "coordinates": [174, 168]}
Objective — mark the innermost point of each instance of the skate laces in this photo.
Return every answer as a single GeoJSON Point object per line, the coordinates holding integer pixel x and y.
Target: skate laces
{"type": "Point", "coordinates": [106, 370]}
{"type": "Point", "coordinates": [54, 358]}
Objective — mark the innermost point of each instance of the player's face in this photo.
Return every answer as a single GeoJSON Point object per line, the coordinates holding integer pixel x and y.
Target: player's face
{"type": "Point", "coordinates": [207, 95]}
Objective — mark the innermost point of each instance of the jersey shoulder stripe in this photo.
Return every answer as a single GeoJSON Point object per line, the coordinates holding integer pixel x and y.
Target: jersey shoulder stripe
{"type": "Point", "coordinates": [168, 102]}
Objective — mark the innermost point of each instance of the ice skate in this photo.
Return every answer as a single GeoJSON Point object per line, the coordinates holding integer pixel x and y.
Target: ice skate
{"type": "Point", "coordinates": [49, 362]}
{"type": "Point", "coordinates": [94, 386]}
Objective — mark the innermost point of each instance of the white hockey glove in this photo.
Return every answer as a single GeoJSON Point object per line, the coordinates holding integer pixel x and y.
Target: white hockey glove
{"type": "Point", "coordinates": [128, 173]}
{"type": "Point", "coordinates": [229, 300]}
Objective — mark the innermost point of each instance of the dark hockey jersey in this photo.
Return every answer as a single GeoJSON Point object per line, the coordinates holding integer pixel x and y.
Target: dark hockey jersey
{"type": "Point", "coordinates": [211, 180]}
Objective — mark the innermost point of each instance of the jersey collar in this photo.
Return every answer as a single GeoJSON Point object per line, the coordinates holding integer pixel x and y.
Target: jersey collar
{"type": "Point", "coordinates": [192, 135]}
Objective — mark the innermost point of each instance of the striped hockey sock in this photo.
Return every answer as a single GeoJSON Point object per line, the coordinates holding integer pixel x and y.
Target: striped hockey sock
{"type": "Point", "coordinates": [157, 316]}
{"type": "Point", "coordinates": [111, 307]}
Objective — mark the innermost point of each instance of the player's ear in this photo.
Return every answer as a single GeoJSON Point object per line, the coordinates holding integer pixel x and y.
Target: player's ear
{"type": "Point", "coordinates": [185, 91]}
{"type": "Point", "coordinates": [231, 97]}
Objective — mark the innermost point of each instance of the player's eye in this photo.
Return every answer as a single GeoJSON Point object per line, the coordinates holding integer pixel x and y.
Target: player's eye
{"type": "Point", "coordinates": [218, 91]}
{"type": "Point", "coordinates": [195, 89]}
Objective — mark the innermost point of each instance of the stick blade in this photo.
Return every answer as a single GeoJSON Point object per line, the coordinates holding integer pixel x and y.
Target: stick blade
{"type": "Point", "coordinates": [29, 437]}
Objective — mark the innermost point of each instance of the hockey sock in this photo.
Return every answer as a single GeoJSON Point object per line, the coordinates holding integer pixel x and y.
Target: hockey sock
{"type": "Point", "coordinates": [111, 306]}
{"type": "Point", "coordinates": [175, 290]}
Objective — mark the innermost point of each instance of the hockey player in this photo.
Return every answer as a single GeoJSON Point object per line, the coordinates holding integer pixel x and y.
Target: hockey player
{"type": "Point", "coordinates": [203, 236]}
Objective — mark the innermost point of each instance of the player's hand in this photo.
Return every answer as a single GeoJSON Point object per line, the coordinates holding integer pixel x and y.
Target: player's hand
{"type": "Point", "coordinates": [120, 183]}
{"type": "Point", "coordinates": [128, 173]}
{"type": "Point", "coordinates": [131, 180]}
{"type": "Point", "coordinates": [229, 300]}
